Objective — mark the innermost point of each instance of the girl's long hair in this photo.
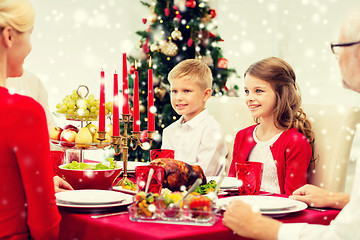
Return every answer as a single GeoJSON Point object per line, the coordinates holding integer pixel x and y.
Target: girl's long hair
{"type": "Point", "coordinates": [288, 112]}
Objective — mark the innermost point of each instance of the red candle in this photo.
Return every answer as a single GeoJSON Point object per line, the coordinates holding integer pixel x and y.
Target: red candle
{"type": "Point", "coordinates": [116, 128]}
{"type": "Point", "coordinates": [136, 117]}
{"type": "Point", "coordinates": [125, 109]}
{"type": "Point", "coordinates": [151, 116]}
{"type": "Point", "coordinates": [102, 102]}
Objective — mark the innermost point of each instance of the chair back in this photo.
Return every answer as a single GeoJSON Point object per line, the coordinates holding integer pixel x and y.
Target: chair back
{"type": "Point", "coordinates": [334, 127]}
{"type": "Point", "coordinates": [232, 115]}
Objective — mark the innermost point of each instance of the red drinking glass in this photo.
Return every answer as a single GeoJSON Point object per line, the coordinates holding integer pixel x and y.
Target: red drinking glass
{"type": "Point", "coordinates": [250, 173]}
{"type": "Point", "coordinates": [141, 176]}
{"type": "Point", "coordinates": [57, 158]}
{"type": "Point", "coordinates": [162, 153]}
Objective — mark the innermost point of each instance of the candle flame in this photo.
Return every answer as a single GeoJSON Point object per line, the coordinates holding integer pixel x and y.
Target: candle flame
{"type": "Point", "coordinates": [150, 62]}
{"type": "Point", "coordinates": [135, 65]}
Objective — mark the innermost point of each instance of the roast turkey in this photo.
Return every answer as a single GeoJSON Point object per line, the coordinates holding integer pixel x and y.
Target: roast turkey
{"type": "Point", "coordinates": [178, 173]}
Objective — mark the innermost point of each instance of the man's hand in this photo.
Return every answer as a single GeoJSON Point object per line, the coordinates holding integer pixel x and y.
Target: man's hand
{"type": "Point", "coordinates": [317, 197]}
{"type": "Point", "coordinates": [61, 185]}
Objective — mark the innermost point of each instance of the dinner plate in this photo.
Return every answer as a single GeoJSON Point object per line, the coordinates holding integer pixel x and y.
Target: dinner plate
{"type": "Point", "coordinates": [222, 193]}
{"type": "Point", "coordinates": [268, 205]}
{"type": "Point", "coordinates": [127, 200]}
{"type": "Point", "coordinates": [228, 182]}
{"type": "Point", "coordinates": [89, 197]}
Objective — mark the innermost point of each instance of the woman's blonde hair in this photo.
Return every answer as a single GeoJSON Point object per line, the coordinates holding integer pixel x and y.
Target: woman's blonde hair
{"type": "Point", "coordinates": [193, 69]}
{"type": "Point", "coordinates": [19, 14]}
{"type": "Point", "coordinates": [288, 112]}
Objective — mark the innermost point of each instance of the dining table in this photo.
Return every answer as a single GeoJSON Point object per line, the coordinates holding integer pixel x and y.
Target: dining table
{"type": "Point", "coordinates": [81, 225]}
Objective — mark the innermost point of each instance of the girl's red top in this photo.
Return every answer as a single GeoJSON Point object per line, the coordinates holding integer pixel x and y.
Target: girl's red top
{"type": "Point", "coordinates": [291, 152]}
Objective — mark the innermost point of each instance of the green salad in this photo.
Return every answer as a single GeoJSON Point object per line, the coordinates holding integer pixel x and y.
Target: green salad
{"type": "Point", "coordinates": [86, 166]}
{"type": "Point", "coordinates": [206, 188]}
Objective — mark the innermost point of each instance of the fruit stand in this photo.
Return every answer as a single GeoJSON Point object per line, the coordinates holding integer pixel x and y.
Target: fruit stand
{"type": "Point", "coordinates": [81, 107]}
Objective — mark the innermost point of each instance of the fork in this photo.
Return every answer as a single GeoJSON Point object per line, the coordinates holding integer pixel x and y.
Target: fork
{"type": "Point", "coordinates": [108, 215]}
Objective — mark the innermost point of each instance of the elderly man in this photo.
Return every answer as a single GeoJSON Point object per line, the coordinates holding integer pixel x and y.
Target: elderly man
{"type": "Point", "coordinates": [244, 221]}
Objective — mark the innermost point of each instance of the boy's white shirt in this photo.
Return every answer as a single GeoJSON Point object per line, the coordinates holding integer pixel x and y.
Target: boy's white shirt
{"type": "Point", "coordinates": [199, 141]}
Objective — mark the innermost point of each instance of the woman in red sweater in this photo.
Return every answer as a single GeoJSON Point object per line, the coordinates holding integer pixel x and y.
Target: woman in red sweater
{"type": "Point", "coordinates": [282, 139]}
{"type": "Point", "coordinates": [27, 201]}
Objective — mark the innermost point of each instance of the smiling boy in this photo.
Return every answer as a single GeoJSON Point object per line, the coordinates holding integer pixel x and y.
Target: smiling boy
{"type": "Point", "coordinates": [196, 137]}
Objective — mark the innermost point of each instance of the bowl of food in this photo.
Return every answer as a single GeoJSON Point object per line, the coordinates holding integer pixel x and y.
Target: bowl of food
{"type": "Point", "coordinates": [171, 205]}
{"type": "Point", "coordinates": [90, 175]}
{"type": "Point", "coordinates": [200, 207]}
{"type": "Point", "coordinates": [144, 206]}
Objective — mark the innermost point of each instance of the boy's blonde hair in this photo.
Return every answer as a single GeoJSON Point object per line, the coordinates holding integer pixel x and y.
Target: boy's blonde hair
{"type": "Point", "coordinates": [19, 14]}
{"type": "Point", "coordinates": [194, 70]}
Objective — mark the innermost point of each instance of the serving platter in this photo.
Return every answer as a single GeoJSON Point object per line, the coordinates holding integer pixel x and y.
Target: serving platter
{"type": "Point", "coordinates": [73, 145]}
{"type": "Point", "coordinates": [185, 217]}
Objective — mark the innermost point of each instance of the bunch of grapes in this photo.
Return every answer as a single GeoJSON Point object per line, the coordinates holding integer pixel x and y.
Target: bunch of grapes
{"type": "Point", "coordinates": [76, 107]}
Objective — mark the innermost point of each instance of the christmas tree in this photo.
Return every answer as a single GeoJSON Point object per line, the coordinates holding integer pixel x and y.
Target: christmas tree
{"type": "Point", "coordinates": [176, 30]}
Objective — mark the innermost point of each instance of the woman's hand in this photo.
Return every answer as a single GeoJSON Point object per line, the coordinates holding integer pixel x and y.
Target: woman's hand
{"type": "Point", "coordinates": [247, 221]}
{"type": "Point", "coordinates": [61, 185]}
{"type": "Point", "coordinates": [317, 197]}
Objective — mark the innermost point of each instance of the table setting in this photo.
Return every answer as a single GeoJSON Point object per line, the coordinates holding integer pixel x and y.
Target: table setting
{"type": "Point", "coordinates": [107, 213]}
{"type": "Point", "coordinates": [106, 218]}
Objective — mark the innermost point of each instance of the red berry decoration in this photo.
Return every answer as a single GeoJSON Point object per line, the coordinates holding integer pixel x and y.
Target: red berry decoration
{"type": "Point", "coordinates": [132, 69]}
{"type": "Point", "coordinates": [190, 42]}
{"type": "Point", "coordinates": [144, 20]}
{"type": "Point", "coordinates": [167, 12]}
{"type": "Point", "coordinates": [212, 12]}
{"type": "Point", "coordinates": [212, 35]}
{"type": "Point", "coordinates": [223, 63]}
{"type": "Point", "coordinates": [190, 3]}
{"type": "Point", "coordinates": [146, 48]}
{"type": "Point", "coordinates": [177, 13]}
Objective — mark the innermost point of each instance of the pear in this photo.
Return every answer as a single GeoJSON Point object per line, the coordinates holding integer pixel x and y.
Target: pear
{"type": "Point", "coordinates": [106, 142]}
{"type": "Point", "coordinates": [93, 128]}
{"type": "Point", "coordinates": [83, 138]}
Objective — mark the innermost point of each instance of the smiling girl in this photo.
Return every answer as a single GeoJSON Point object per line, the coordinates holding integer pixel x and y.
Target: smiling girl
{"type": "Point", "coordinates": [282, 138]}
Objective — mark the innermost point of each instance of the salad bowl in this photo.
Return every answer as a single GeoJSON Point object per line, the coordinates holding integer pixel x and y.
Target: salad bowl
{"type": "Point", "coordinates": [90, 175]}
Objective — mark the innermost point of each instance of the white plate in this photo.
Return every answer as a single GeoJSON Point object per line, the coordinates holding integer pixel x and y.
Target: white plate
{"type": "Point", "coordinates": [127, 200]}
{"type": "Point", "coordinates": [131, 165]}
{"type": "Point", "coordinates": [222, 193]}
{"type": "Point", "coordinates": [89, 197]}
{"type": "Point", "coordinates": [268, 205]}
{"type": "Point", "coordinates": [119, 188]}
{"type": "Point", "coordinates": [228, 182]}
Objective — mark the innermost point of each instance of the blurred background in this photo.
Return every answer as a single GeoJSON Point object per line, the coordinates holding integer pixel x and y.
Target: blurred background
{"type": "Point", "coordinates": [74, 39]}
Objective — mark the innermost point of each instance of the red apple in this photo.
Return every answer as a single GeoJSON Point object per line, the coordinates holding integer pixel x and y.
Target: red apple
{"type": "Point", "coordinates": [55, 133]}
{"type": "Point", "coordinates": [69, 126]}
{"type": "Point", "coordinates": [67, 137]}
